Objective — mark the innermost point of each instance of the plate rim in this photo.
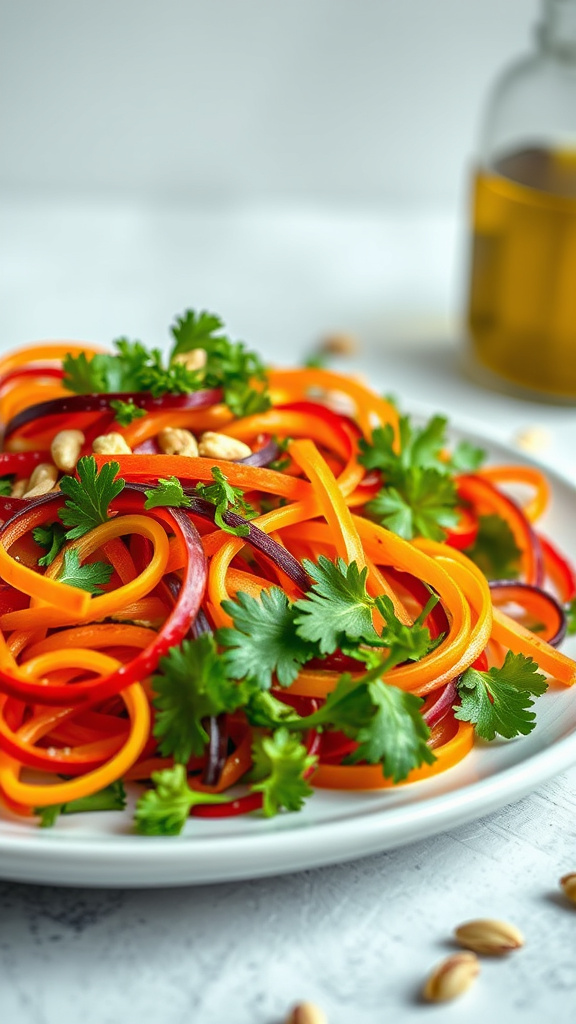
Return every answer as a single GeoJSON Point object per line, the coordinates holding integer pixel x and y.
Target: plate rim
{"type": "Point", "coordinates": [109, 859]}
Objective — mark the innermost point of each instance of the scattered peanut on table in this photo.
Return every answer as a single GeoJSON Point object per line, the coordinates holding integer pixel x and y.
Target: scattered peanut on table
{"type": "Point", "coordinates": [339, 343]}
{"type": "Point", "coordinates": [568, 884]}
{"type": "Point", "coordinates": [306, 1013]}
{"type": "Point", "coordinates": [451, 977]}
{"type": "Point", "coordinates": [490, 937]}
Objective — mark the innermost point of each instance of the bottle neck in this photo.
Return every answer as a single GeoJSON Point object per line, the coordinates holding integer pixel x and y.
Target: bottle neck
{"type": "Point", "coordinates": [557, 30]}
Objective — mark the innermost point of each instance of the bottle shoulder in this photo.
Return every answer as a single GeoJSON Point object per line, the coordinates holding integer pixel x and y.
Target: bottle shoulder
{"type": "Point", "coordinates": [533, 98]}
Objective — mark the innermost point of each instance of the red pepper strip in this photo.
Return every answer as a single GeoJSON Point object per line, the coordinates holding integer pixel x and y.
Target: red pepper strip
{"type": "Point", "coordinates": [485, 498]}
{"type": "Point", "coordinates": [135, 468]}
{"type": "Point", "coordinates": [464, 533]}
{"type": "Point", "coordinates": [21, 463]}
{"type": "Point", "coordinates": [243, 805]}
{"type": "Point", "coordinates": [171, 633]}
{"type": "Point", "coordinates": [561, 573]}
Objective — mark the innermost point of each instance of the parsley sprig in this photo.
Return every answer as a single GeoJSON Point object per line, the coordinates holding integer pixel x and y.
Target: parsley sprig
{"type": "Point", "coordinates": [163, 811]}
{"type": "Point", "coordinates": [385, 721]}
{"type": "Point", "coordinates": [280, 765]}
{"type": "Point", "coordinates": [167, 493]}
{"type": "Point", "coordinates": [495, 551]}
{"type": "Point", "coordinates": [51, 537]}
{"type": "Point", "coordinates": [192, 685]}
{"type": "Point", "coordinates": [88, 498]}
{"type": "Point", "coordinates": [499, 701]}
{"type": "Point", "coordinates": [273, 637]}
{"type": "Point", "coordinates": [91, 576]}
{"type": "Point", "coordinates": [226, 498]}
{"type": "Point", "coordinates": [132, 367]}
{"type": "Point", "coordinates": [419, 496]}
{"type": "Point", "coordinates": [126, 412]}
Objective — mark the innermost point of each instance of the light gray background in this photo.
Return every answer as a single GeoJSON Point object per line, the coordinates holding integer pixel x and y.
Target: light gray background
{"type": "Point", "coordinates": [329, 101]}
{"type": "Point", "coordinates": [298, 167]}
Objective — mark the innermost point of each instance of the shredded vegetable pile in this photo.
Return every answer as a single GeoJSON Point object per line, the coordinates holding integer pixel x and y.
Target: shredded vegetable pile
{"type": "Point", "coordinates": [230, 584]}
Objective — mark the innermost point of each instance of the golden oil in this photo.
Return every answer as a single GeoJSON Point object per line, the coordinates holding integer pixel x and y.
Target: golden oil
{"type": "Point", "coordinates": [522, 300]}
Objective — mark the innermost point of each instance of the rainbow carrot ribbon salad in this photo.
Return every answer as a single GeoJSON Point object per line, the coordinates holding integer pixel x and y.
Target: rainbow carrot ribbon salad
{"type": "Point", "coordinates": [231, 584]}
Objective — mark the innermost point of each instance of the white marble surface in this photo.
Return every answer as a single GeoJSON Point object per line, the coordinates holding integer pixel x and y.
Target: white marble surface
{"type": "Point", "coordinates": [357, 938]}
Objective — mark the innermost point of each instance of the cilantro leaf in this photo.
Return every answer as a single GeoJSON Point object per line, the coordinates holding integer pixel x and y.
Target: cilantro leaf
{"type": "Point", "coordinates": [126, 412]}
{"type": "Point", "coordinates": [167, 493]}
{"type": "Point", "coordinates": [53, 538]}
{"type": "Point", "coordinates": [85, 376]}
{"type": "Point", "coordinates": [419, 497]}
{"type": "Point", "coordinates": [466, 458]}
{"type": "Point", "coordinates": [192, 685]}
{"type": "Point", "coordinates": [229, 365]}
{"type": "Point", "coordinates": [226, 498]}
{"type": "Point", "coordinates": [89, 497]}
{"type": "Point", "coordinates": [404, 643]}
{"type": "Point", "coordinates": [495, 551]}
{"type": "Point", "coordinates": [195, 330]}
{"type": "Point", "coordinates": [132, 367]}
{"type": "Point", "coordinates": [498, 702]}
{"type": "Point", "coordinates": [175, 379]}
{"type": "Point", "coordinates": [419, 447]}
{"type": "Point", "coordinates": [348, 707]}
{"type": "Point", "coordinates": [111, 798]}
{"type": "Point", "coordinates": [280, 764]}
{"type": "Point", "coordinates": [263, 642]}
{"type": "Point", "coordinates": [396, 734]}
{"type": "Point", "coordinates": [380, 453]}
{"type": "Point", "coordinates": [423, 505]}
{"type": "Point", "coordinates": [88, 577]}
{"type": "Point", "coordinates": [337, 607]}
{"type": "Point", "coordinates": [385, 721]}
{"type": "Point", "coordinates": [263, 709]}
{"type": "Point", "coordinates": [163, 811]}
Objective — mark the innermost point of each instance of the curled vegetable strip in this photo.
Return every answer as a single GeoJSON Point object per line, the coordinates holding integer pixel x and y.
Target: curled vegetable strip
{"type": "Point", "coordinates": [86, 688]}
{"type": "Point", "coordinates": [42, 795]}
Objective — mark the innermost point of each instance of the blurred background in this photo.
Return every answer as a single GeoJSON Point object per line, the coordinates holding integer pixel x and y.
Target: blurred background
{"type": "Point", "coordinates": [298, 168]}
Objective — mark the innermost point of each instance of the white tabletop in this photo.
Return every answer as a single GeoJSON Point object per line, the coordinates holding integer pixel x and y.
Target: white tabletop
{"type": "Point", "coordinates": [359, 938]}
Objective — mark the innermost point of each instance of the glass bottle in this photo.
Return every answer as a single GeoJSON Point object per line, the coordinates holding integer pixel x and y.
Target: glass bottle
{"type": "Point", "coordinates": [522, 294]}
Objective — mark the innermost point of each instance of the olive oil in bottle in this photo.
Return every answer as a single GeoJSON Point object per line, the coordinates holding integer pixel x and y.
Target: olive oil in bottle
{"type": "Point", "coordinates": [521, 307]}
{"type": "Point", "coordinates": [522, 301]}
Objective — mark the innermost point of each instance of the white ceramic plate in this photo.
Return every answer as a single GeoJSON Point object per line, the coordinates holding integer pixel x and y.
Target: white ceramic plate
{"type": "Point", "coordinates": [99, 849]}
